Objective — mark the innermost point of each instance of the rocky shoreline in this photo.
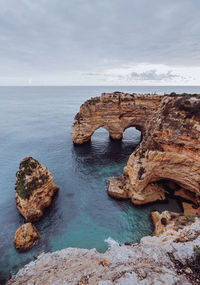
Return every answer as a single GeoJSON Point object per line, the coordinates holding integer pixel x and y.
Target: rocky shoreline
{"type": "Point", "coordinates": [155, 260]}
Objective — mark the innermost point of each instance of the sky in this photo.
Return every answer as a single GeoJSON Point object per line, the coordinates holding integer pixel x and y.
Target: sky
{"type": "Point", "coordinates": [99, 42]}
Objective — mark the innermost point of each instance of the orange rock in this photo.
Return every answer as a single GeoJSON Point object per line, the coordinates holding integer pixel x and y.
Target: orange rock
{"type": "Point", "coordinates": [34, 189]}
{"type": "Point", "coordinates": [169, 221]}
{"type": "Point", "coordinates": [115, 112]}
{"type": "Point", "coordinates": [104, 262]}
{"type": "Point", "coordinates": [190, 209]}
{"type": "Point", "coordinates": [25, 237]}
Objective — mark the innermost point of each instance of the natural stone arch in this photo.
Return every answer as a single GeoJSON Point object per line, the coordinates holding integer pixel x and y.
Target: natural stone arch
{"type": "Point", "coordinates": [114, 112]}
{"type": "Point", "coordinates": [130, 129]}
{"type": "Point", "coordinates": [101, 130]}
{"type": "Point", "coordinates": [170, 150]}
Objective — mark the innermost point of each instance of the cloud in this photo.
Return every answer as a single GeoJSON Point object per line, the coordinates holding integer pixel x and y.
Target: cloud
{"type": "Point", "coordinates": [53, 38]}
{"type": "Point", "coordinates": [153, 75]}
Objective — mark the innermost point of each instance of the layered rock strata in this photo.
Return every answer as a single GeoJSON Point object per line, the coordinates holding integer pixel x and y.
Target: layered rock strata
{"type": "Point", "coordinates": [25, 237]}
{"type": "Point", "coordinates": [34, 189]}
{"type": "Point", "coordinates": [155, 260]}
{"type": "Point", "coordinates": [115, 112]}
{"type": "Point", "coordinates": [170, 150]}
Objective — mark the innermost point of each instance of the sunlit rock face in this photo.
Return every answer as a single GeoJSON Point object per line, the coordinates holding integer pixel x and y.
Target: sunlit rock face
{"type": "Point", "coordinates": [115, 112]}
{"type": "Point", "coordinates": [34, 189]}
{"type": "Point", "coordinates": [170, 150]}
{"type": "Point", "coordinates": [25, 237]}
{"type": "Point", "coordinates": [170, 222]}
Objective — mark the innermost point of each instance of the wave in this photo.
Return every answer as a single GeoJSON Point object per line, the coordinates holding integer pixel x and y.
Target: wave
{"type": "Point", "coordinates": [111, 242]}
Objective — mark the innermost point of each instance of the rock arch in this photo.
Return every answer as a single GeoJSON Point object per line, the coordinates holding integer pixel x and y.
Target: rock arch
{"type": "Point", "coordinates": [115, 112]}
{"type": "Point", "coordinates": [170, 150]}
{"type": "Point", "coordinates": [170, 147]}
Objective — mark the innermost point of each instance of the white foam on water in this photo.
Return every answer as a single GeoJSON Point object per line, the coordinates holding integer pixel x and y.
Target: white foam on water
{"type": "Point", "coordinates": [111, 242]}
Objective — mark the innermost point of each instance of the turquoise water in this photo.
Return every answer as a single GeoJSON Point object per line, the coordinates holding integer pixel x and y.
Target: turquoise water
{"type": "Point", "coordinates": [36, 121]}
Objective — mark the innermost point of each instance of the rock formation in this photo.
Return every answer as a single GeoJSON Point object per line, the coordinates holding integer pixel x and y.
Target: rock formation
{"type": "Point", "coordinates": [115, 112]}
{"type": "Point", "coordinates": [190, 209]}
{"type": "Point", "coordinates": [34, 189]}
{"type": "Point", "coordinates": [25, 237]}
{"type": "Point", "coordinates": [170, 150]}
{"type": "Point", "coordinates": [169, 221]}
{"type": "Point", "coordinates": [155, 260]}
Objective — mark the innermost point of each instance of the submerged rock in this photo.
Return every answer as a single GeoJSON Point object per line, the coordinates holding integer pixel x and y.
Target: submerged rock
{"type": "Point", "coordinates": [34, 189]}
{"type": "Point", "coordinates": [25, 237]}
{"type": "Point", "coordinates": [155, 260]}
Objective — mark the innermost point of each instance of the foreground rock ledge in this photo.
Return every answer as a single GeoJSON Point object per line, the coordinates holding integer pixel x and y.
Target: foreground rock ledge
{"type": "Point", "coordinates": [25, 237]}
{"type": "Point", "coordinates": [152, 261]}
{"type": "Point", "coordinates": [34, 189]}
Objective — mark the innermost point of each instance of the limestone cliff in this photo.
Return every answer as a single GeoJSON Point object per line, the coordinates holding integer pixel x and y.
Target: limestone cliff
{"type": "Point", "coordinates": [34, 189]}
{"type": "Point", "coordinates": [115, 112]}
{"type": "Point", "coordinates": [155, 260]}
{"type": "Point", "coordinates": [170, 150]}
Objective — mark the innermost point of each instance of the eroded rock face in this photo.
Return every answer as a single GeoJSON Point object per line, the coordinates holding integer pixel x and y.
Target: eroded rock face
{"type": "Point", "coordinates": [152, 261]}
{"type": "Point", "coordinates": [25, 237]}
{"type": "Point", "coordinates": [191, 209]}
{"type": "Point", "coordinates": [170, 150]}
{"type": "Point", "coordinates": [34, 189]}
{"type": "Point", "coordinates": [169, 221]}
{"type": "Point", "coordinates": [115, 112]}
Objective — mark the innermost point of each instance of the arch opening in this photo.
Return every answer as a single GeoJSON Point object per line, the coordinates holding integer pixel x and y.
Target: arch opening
{"type": "Point", "coordinates": [100, 135]}
{"type": "Point", "coordinates": [132, 135]}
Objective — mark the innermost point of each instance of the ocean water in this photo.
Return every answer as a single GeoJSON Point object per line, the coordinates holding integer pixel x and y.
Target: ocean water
{"type": "Point", "coordinates": [36, 121]}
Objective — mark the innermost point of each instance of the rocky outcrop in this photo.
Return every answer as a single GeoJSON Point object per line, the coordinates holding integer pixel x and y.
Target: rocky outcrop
{"type": "Point", "coordinates": [170, 150]}
{"type": "Point", "coordinates": [25, 237]}
{"type": "Point", "coordinates": [169, 221]}
{"type": "Point", "coordinates": [115, 112]}
{"type": "Point", "coordinates": [191, 209]}
{"type": "Point", "coordinates": [155, 260]}
{"type": "Point", "coordinates": [34, 189]}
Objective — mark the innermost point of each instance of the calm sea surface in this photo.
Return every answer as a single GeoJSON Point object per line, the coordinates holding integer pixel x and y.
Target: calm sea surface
{"type": "Point", "coordinates": [36, 121]}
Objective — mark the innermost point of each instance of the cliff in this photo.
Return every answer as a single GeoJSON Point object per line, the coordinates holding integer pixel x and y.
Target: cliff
{"type": "Point", "coordinates": [115, 112]}
{"type": "Point", "coordinates": [169, 151]}
{"type": "Point", "coordinates": [34, 189]}
{"type": "Point", "coordinates": [155, 260]}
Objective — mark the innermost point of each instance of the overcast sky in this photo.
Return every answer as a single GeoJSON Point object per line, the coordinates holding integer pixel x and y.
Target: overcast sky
{"type": "Point", "coordinates": [99, 42]}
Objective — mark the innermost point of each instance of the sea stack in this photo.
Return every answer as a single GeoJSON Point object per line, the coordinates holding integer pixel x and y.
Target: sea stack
{"type": "Point", "coordinates": [34, 189]}
{"type": "Point", "coordinates": [25, 237]}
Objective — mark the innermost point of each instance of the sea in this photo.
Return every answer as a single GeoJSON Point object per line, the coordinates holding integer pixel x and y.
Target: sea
{"type": "Point", "coordinates": [36, 121]}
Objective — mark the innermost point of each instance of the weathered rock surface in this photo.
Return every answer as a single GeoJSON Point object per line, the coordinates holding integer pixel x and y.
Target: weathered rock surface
{"type": "Point", "coordinates": [169, 221]}
{"type": "Point", "coordinates": [191, 209]}
{"type": "Point", "coordinates": [25, 237]}
{"type": "Point", "coordinates": [115, 112]}
{"type": "Point", "coordinates": [170, 150]}
{"type": "Point", "coordinates": [34, 189]}
{"type": "Point", "coordinates": [156, 260]}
